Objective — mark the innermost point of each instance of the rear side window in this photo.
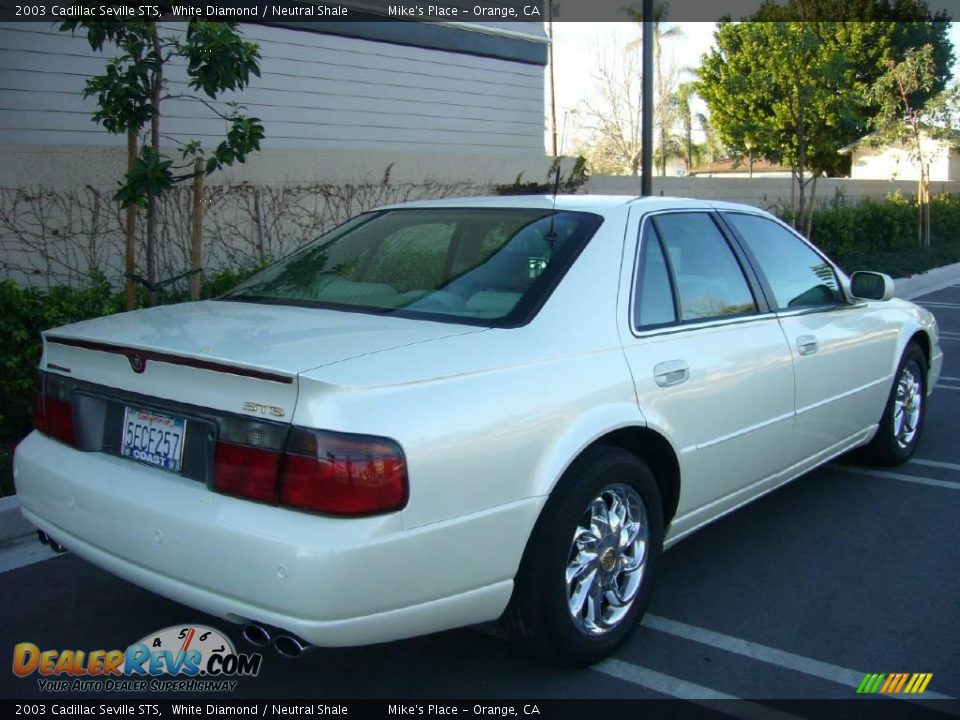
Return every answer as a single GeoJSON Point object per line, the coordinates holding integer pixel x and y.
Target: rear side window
{"type": "Point", "coordinates": [654, 293]}
{"type": "Point", "coordinates": [798, 276]}
{"type": "Point", "coordinates": [709, 280]}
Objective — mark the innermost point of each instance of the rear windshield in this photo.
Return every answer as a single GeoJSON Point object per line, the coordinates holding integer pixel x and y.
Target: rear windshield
{"type": "Point", "coordinates": [483, 266]}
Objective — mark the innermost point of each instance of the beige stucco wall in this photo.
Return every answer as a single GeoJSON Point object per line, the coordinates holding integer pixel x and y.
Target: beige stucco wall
{"type": "Point", "coordinates": [58, 221]}
{"type": "Point", "coordinates": [764, 192]}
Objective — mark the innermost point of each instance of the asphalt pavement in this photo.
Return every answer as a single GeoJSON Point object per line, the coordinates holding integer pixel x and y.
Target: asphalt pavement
{"type": "Point", "coordinates": [847, 571]}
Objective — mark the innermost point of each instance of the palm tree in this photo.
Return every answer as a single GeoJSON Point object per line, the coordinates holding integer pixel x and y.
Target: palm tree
{"type": "Point", "coordinates": [682, 97]}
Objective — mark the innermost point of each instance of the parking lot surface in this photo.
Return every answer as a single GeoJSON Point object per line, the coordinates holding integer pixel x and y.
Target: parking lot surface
{"type": "Point", "coordinates": [847, 571]}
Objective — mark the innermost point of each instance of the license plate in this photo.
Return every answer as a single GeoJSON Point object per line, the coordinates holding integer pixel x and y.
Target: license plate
{"type": "Point", "coordinates": [153, 438]}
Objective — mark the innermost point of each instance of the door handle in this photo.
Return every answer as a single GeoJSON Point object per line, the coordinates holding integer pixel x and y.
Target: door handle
{"type": "Point", "coordinates": [672, 372]}
{"type": "Point", "coordinates": [807, 344]}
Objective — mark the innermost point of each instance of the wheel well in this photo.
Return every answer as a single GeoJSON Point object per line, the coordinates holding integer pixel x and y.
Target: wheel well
{"type": "Point", "coordinates": [923, 340]}
{"type": "Point", "coordinates": [653, 449]}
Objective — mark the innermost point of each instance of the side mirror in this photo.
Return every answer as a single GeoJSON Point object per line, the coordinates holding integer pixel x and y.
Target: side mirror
{"type": "Point", "coordinates": [871, 286]}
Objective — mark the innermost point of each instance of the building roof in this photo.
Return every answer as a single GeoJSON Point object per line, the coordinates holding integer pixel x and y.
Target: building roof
{"type": "Point", "coordinates": [738, 166]}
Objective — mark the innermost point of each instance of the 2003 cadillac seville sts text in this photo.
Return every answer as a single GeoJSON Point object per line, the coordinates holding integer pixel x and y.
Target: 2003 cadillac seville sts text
{"type": "Point", "coordinates": [447, 412]}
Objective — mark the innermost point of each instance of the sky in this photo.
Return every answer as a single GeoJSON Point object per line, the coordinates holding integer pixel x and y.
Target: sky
{"type": "Point", "coordinates": [576, 48]}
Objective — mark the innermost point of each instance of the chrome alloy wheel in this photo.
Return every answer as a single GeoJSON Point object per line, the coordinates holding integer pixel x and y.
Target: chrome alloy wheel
{"type": "Point", "coordinates": [907, 405]}
{"type": "Point", "coordinates": [607, 559]}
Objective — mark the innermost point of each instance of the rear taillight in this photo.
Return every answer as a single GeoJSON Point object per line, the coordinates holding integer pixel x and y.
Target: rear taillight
{"type": "Point", "coordinates": [60, 420]}
{"type": "Point", "coordinates": [247, 471]}
{"type": "Point", "coordinates": [52, 409]}
{"type": "Point", "coordinates": [343, 474]}
{"type": "Point", "coordinates": [39, 414]}
{"type": "Point", "coordinates": [321, 471]}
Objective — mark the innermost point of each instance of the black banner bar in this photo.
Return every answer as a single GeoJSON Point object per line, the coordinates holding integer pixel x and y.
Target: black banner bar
{"type": "Point", "coordinates": [500, 13]}
{"type": "Point", "coordinates": [878, 708]}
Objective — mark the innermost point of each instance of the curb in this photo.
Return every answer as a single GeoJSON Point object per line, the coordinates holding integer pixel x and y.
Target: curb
{"type": "Point", "coordinates": [927, 282]}
{"type": "Point", "coordinates": [13, 525]}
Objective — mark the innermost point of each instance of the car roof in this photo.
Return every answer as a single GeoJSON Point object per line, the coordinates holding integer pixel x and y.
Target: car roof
{"type": "Point", "coordinates": [584, 203]}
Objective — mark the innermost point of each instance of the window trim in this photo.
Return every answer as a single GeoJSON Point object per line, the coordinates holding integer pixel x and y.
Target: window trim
{"type": "Point", "coordinates": [838, 275]}
{"type": "Point", "coordinates": [749, 275]}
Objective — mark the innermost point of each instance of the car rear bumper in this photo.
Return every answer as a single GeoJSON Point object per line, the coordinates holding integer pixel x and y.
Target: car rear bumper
{"type": "Point", "coordinates": [332, 581]}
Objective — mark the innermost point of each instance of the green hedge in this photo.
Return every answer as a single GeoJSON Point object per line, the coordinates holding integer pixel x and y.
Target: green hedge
{"type": "Point", "coordinates": [884, 232]}
{"type": "Point", "coordinates": [26, 312]}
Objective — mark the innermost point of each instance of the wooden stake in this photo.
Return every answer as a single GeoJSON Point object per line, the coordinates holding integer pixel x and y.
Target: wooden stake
{"type": "Point", "coordinates": [130, 261]}
{"type": "Point", "coordinates": [197, 234]}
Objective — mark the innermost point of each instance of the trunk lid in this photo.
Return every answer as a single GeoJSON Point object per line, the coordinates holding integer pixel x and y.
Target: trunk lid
{"type": "Point", "coordinates": [231, 356]}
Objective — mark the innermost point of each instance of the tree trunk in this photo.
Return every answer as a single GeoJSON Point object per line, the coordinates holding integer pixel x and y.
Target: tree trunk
{"type": "Point", "coordinates": [156, 86]}
{"type": "Point", "coordinates": [196, 235]}
{"type": "Point", "coordinates": [801, 171]}
{"type": "Point", "coordinates": [810, 207]}
{"type": "Point", "coordinates": [130, 259]}
{"type": "Point", "coordinates": [920, 207]}
{"type": "Point", "coordinates": [662, 109]}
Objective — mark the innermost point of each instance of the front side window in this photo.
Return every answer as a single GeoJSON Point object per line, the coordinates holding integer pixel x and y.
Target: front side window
{"type": "Point", "coordinates": [487, 266]}
{"type": "Point", "coordinates": [710, 282]}
{"type": "Point", "coordinates": [798, 276]}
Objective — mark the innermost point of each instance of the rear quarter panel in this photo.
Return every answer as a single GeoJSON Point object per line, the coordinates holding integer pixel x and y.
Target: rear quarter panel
{"type": "Point", "coordinates": [496, 416]}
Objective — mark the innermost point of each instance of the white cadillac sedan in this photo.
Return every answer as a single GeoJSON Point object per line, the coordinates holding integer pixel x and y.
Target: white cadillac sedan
{"type": "Point", "coordinates": [448, 412]}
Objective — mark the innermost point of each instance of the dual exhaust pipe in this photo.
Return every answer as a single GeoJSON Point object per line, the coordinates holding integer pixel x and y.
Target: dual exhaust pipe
{"type": "Point", "coordinates": [50, 542]}
{"type": "Point", "coordinates": [286, 644]}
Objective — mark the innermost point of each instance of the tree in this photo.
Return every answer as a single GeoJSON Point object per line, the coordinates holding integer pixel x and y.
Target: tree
{"type": "Point", "coordinates": [874, 33]}
{"type": "Point", "coordinates": [781, 91]}
{"type": "Point", "coordinates": [613, 118]}
{"type": "Point", "coordinates": [130, 93]}
{"type": "Point", "coordinates": [841, 49]}
{"type": "Point", "coordinates": [682, 101]}
{"type": "Point", "coordinates": [903, 119]}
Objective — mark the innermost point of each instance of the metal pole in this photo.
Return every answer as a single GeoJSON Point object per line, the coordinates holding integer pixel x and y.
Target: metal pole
{"type": "Point", "coordinates": [646, 128]}
{"type": "Point", "coordinates": [553, 93]}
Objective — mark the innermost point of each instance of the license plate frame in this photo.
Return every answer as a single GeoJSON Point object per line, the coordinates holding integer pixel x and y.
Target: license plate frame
{"type": "Point", "coordinates": [153, 438]}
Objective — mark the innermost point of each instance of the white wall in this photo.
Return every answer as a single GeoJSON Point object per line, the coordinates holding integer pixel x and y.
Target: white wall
{"type": "Point", "coordinates": [316, 91]}
{"type": "Point", "coordinates": [897, 162]}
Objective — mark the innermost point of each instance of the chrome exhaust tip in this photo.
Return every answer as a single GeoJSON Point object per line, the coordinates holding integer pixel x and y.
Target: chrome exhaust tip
{"type": "Point", "coordinates": [290, 647]}
{"type": "Point", "coordinates": [43, 537]}
{"type": "Point", "coordinates": [55, 546]}
{"type": "Point", "coordinates": [256, 635]}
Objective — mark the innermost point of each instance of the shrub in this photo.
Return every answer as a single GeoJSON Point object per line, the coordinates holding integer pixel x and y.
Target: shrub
{"type": "Point", "coordinates": [26, 312]}
{"type": "Point", "coordinates": [882, 234]}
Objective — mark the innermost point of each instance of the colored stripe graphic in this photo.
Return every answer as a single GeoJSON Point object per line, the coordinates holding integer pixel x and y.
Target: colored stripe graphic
{"type": "Point", "coordinates": [871, 682]}
{"type": "Point", "coordinates": [893, 683]}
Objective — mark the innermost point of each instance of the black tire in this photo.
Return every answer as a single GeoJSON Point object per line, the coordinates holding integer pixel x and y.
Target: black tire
{"type": "Point", "coordinates": [891, 445]}
{"type": "Point", "coordinates": [538, 616]}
